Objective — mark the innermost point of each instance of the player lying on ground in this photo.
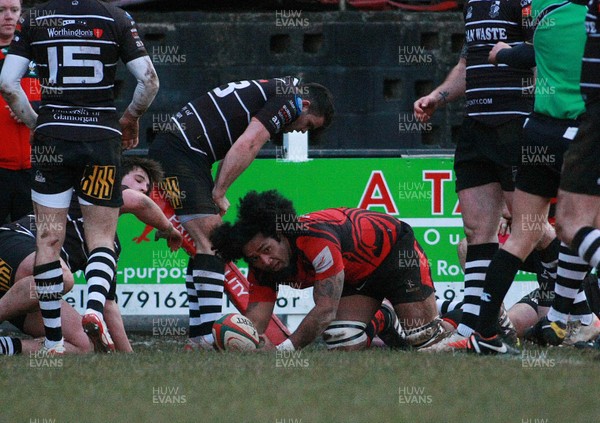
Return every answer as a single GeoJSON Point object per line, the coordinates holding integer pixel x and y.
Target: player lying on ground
{"type": "Point", "coordinates": [531, 308]}
{"type": "Point", "coordinates": [18, 300]}
{"type": "Point", "coordinates": [352, 258]}
{"type": "Point", "coordinates": [535, 306]}
{"type": "Point", "coordinates": [582, 327]}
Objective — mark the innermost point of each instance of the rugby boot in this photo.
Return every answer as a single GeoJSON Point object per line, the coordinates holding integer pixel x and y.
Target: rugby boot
{"type": "Point", "coordinates": [545, 332]}
{"type": "Point", "coordinates": [493, 345]}
{"type": "Point", "coordinates": [454, 342]}
{"type": "Point", "coordinates": [508, 330]}
{"type": "Point", "coordinates": [96, 330]}
{"type": "Point", "coordinates": [57, 349]}
{"type": "Point", "coordinates": [578, 332]}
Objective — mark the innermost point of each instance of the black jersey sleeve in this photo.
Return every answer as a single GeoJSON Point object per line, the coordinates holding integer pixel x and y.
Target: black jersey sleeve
{"type": "Point", "coordinates": [131, 46]}
{"type": "Point", "coordinates": [279, 111]}
{"type": "Point", "coordinates": [521, 56]}
{"type": "Point", "coordinates": [21, 45]}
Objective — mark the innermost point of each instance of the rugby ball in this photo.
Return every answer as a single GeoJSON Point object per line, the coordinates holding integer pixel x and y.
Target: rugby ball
{"type": "Point", "coordinates": [234, 332]}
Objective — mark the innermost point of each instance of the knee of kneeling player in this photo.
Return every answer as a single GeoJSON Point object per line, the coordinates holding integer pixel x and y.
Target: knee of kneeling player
{"type": "Point", "coordinates": [345, 335]}
{"type": "Point", "coordinates": [564, 231]}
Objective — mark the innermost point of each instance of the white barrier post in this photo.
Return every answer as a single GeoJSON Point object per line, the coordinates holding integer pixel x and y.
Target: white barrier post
{"type": "Point", "coordinates": [295, 147]}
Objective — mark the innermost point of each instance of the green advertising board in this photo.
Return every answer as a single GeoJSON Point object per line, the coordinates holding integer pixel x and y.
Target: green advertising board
{"type": "Point", "coordinates": [419, 191]}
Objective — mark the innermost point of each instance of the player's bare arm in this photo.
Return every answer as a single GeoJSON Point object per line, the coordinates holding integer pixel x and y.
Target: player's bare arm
{"type": "Point", "coordinates": [260, 314]}
{"type": "Point", "coordinates": [145, 91]}
{"type": "Point", "coordinates": [452, 88]}
{"type": "Point", "coordinates": [238, 158]}
{"type": "Point", "coordinates": [327, 294]}
{"type": "Point", "coordinates": [149, 213]}
{"type": "Point", "coordinates": [11, 90]}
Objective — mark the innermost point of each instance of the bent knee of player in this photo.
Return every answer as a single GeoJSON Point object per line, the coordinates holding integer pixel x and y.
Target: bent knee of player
{"type": "Point", "coordinates": [570, 219]}
{"type": "Point", "coordinates": [565, 229]}
{"type": "Point", "coordinates": [417, 313]}
{"type": "Point", "coordinates": [346, 335]}
{"type": "Point", "coordinates": [79, 346]}
{"type": "Point", "coordinates": [481, 225]}
{"type": "Point", "coordinates": [481, 232]}
{"type": "Point", "coordinates": [68, 280]}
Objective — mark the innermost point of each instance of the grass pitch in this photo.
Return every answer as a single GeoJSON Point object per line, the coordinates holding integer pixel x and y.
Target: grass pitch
{"type": "Point", "coordinates": [161, 383]}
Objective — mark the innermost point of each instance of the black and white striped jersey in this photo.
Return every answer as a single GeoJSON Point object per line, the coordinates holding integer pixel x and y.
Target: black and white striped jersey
{"type": "Point", "coordinates": [211, 123]}
{"type": "Point", "coordinates": [496, 94]}
{"type": "Point", "coordinates": [590, 71]}
{"type": "Point", "coordinates": [76, 45]}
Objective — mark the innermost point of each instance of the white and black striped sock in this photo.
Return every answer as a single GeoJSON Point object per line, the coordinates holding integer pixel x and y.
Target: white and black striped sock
{"type": "Point", "coordinates": [99, 273]}
{"type": "Point", "coordinates": [569, 278]}
{"type": "Point", "coordinates": [581, 310]}
{"type": "Point", "coordinates": [194, 310]}
{"type": "Point", "coordinates": [446, 306]}
{"type": "Point", "coordinates": [49, 287]}
{"type": "Point", "coordinates": [10, 346]}
{"type": "Point", "coordinates": [209, 276]}
{"type": "Point", "coordinates": [549, 260]}
{"type": "Point", "coordinates": [587, 243]}
{"type": "Point", "coordinates": [478, 260]}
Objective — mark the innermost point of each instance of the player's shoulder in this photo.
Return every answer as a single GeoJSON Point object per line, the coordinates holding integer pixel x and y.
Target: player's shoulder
{"type": "Point", "coordinates": [521, 4]}
{"type": "Point", "coordinates": [278, 85]}
{"type": "Point", "coordinates": [115, 12]}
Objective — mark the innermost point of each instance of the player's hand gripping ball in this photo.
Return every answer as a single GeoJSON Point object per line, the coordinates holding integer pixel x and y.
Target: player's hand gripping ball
{"type": "Point", "coordinates": [234, 332]}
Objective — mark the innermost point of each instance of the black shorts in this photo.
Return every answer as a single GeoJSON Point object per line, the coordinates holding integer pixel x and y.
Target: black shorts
{"type": "Point", "coordinates": [545, 141]}
{"type": "Point", "coordinates": [188, 179]}
{"type": "Point", "coordinates": [92, 168]}
{"type": "Point", "coordinates": [14, 248]}
{"type": "Point", "coordinates": [403, 277]}
{"type": "Point", "coordinates": [581, 170]}
{"type": "Point", "coordinates": [486, 154]}
{"type": "Point", "coordinates": [19, 322]}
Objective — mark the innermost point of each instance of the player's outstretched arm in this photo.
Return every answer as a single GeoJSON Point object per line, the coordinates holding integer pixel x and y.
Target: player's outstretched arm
{"type": "Point", "coordinates": [145, 91]}
{"type": "Point", "coordinates": [237, 159]}
{"type": "Point", "coordinates": [327, 294]}
{"type": "Point", "coordinates": [260, 313]}
{"type": "Point", "coordinates": [452, 88]}
{"type": "Point", "coordinates": [149, 213]}
{"type": "Point", "coordinates": [10, 88]}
